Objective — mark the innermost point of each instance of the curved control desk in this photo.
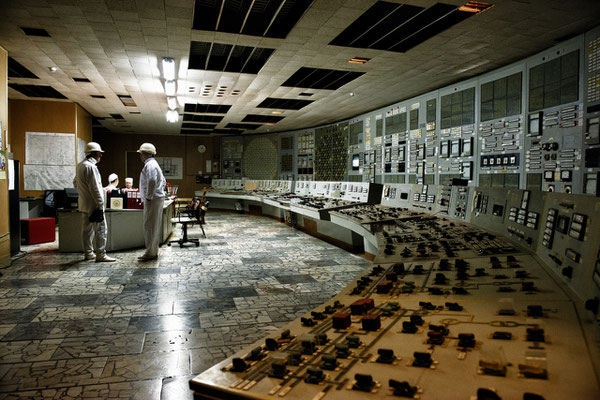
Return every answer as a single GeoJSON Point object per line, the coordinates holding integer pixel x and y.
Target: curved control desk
{"type": "Point", "coordinates": [125, 228]}
{"type": "Point", "coordinates": [449, 310]}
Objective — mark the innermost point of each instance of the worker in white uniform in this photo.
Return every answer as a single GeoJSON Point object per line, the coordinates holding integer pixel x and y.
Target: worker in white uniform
{"type": "Point", "coordinates": [152, 187]}
{"type": "Point", "coordinates": [113, 182]}
{"type": "Point", "coordinates": [128, 183]}
{"type": "Point", "coordinates": [91, 198]}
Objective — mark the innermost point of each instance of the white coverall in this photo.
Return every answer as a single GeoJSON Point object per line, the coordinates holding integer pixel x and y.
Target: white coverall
{"type": "Point", "coordinates": [152, 185]}
{"type": "Point", "coordinates": [91, 196]}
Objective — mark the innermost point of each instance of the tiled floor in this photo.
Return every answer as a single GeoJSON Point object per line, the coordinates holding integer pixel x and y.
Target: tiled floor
{"type": "Point", "coordinates": [79, 329]}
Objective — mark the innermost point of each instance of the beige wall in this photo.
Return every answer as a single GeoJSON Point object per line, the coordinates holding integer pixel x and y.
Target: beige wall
{"type": "Point", "coordinates": [4, 222]}
{"type": "Point", "coordinates": [116, 147]}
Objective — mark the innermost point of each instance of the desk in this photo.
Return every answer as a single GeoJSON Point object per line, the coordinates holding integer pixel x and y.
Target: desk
{"type": "Point", "coordinates": [125, 229]}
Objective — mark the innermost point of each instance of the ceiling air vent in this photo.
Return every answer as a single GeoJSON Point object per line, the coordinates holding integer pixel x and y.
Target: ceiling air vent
{"type": "Point", "coordinates": [117, 116]}
{"type": "Point", "coordinates": [228, 57]}
{"type": "Point", "coordinates": [206, 108]}
{"type": "Point", "coordinates": [35, 32]}
{"type": "Point", "coordinates": [37, 91]}
{"type": "Point", "coordinates": [400, 27]}
{"type": "Point", "coordinates": [16, 70]}
{"type": "Point", "coordinates": [202, 118]}
{"type": "Point", "coordinates": [265, 18]}
{"type": "Point", "coordinates": [318, 78]}
{"type": "Point", "coordinates": [284, 104]}
{"type": "Point", "coordinates": [242, 126]}
{"type": "Point", "coordinates": [82, 80]}
{"type": "Point", "coordinates": [267, 119]}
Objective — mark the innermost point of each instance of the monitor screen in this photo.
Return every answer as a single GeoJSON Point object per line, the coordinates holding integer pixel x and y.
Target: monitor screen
{"type": "Point", "coordinates": [355, 162]}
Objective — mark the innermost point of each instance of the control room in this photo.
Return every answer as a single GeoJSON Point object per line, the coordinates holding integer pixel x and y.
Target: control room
{"type": "Point", "coordinates": [300, 199]}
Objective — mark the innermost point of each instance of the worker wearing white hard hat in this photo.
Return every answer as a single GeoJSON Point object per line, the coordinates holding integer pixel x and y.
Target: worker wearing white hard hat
{"type": "Point", "coordinates": [91, 204]}
{"type": "Point", "coordinates": [113, 182]}
{"type": "Point", "coordinates": [128, 183]}
{"type": "Point", "coordinates": [152, 186]}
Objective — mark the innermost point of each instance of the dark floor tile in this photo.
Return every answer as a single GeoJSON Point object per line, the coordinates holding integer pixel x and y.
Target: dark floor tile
{"type": "Point", "coordinates": [30, 331]}
{"type": "Point", "coordinates": [196, 306]}
{"type": "Point", "coordinates": [89, 327]}
{"type": "Point", "coordinates": [293, 279]}
{"type": "Point", "coordinates": [154, 272]}
{"type": "Point", "coordinates": [20, 316]}
{"type": "Point", "coordinates": [67, 300]}
{"type": "Point", "coordinates": [320, 263]}
{"type": "Point", "coordinates": [262, 260]}
{"type": "Point", "coordinates": [163, 323]}
{"type": "Point", "coordinates": [25, 283]}
{"type": "Point", "coordinates": [230, 292]}
{"type": "Point", "coordinates": [128, 297]}
{"type": "Point", "coordinates": [137, 287]}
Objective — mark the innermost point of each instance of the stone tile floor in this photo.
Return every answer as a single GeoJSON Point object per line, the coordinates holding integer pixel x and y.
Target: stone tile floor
{"type": "Point", "coordinates": [78, 329]}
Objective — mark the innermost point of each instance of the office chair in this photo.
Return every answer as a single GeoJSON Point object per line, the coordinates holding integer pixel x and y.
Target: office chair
{"type": "Point", "coordinates": [192, 214]}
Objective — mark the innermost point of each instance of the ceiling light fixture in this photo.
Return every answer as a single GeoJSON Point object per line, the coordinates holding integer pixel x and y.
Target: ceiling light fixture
{"type": "Point", "coordinates": [52, 69]}
{"type": "Point", "coordinates": [168, 65]}
{"type": "Point", "coordinates": [276, 112]}
{"type": "Point", "coordinates": [172, 102]}
{"type": "Point", "coordinates": [172, 116]}
{"type": "Point", "coordinates": [358, 60]}
{"type": "Point", "coordinates": [170, 88]}
{"type": "Point", "coordinates": [475, 7]}
{"type": "Point", "coordinates": [351, 94]}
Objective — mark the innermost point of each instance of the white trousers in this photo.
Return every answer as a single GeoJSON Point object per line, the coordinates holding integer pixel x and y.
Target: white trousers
{"type": "Point", "coordinates": [93, 235]}
{"type": "Point", "coordinates": [153, 210]}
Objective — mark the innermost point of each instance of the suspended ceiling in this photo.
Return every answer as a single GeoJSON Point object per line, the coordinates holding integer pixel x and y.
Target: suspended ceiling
{"type": "Point", "coordinates": [251, 66]}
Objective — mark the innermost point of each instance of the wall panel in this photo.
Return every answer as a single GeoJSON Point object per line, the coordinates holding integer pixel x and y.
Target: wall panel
{"type": "Point", "coordinates": [37, 116]}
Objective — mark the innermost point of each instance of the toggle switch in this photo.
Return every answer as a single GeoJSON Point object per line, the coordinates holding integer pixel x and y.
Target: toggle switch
{"type": "Point", "coordinates": [363, 382]}
{"type": "Point", "coordinates": [386, 356]}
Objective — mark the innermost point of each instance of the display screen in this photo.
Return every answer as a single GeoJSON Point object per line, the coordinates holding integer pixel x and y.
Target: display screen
{"type": "Point", "coordinates": [355, 162]}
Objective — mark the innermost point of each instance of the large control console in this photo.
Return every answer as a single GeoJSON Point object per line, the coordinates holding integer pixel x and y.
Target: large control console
{"type": "Point", "coordinates": [474, 293]}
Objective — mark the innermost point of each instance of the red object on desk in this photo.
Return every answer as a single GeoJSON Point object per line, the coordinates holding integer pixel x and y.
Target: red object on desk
{"type": "Point", "coordinates": [134, 200]}
{"type": "Point", "coordinates": [38, 230]}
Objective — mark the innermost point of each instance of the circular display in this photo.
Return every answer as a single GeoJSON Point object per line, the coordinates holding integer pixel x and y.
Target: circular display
{"type": "Point", "coordinates": [201, 148]}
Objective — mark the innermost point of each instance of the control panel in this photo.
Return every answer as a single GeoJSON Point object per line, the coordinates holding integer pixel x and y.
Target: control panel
{"type": "Point", "coordinates": [456, 156]}
{"type": "Point", "coordinates": [554, 136]}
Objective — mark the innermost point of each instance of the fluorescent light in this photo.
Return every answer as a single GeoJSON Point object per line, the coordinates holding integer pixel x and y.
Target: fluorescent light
{"type": "Point", "coordinates": [358, 60]}
{"type": "Point", "coordinates": [172, 116]}
{"type": "Point", "coordinates": [170, 88]}
{"type": "Point", "coordinates": [475, 7]}
{"type": "Point", "coordinates": [168, 65]}
{"type": "Point", "coordinates": [172, 102]}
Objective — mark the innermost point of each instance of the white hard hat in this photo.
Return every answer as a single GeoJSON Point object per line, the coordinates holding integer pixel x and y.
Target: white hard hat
{"type": "Point", "coordinates": [147, 148]}
{"type": "Point", "coordinates": [128, 180]}
{"type": "Point", "coordinates": [93, 146]}
{"type": "Point", "coordinates": [112, 177]}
